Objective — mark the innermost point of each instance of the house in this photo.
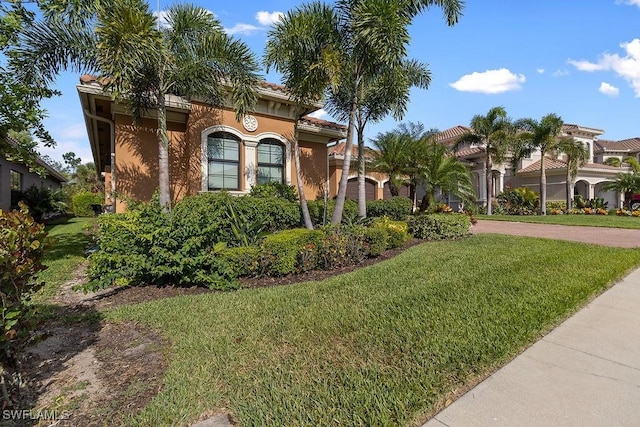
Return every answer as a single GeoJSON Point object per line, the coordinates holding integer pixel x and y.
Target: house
{"type": "Point", "coordinates": [16, 178]}
{"type": "Point", "coordinates": [588, 183]}
{"type": "Point", "coordinates": [208, 149]}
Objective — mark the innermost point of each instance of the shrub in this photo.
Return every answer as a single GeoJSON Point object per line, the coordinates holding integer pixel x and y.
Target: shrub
{"type": "Point", "coordinates": [557, 205]}
{"type": "Point", "coordinates": [397, 208]}
{"type": "Point", "coordinates": [376, 238]}
{"type": "Point", "coordinates": [397, 231]}
{"type": "Point", "coordinates": [22, 245]}
{"type": "Point", "coordinates": [316, 210]}
{"type": "Point", "coordinates": [243, 260]}
{"type": "Point", "coordinates": [518, 201]}
{"type": "Point", "coordinates": [286, 252]}
{"type": "Point", "coordinates": [82, 201]}
{"type": "Point", "coordinates": [275, 189]}
{"type": "Point", "coordinates": [439, 226]}
{"type": "Point", "coordinates": [342, 246]}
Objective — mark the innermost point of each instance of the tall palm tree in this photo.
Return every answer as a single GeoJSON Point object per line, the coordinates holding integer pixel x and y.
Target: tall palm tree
{"type": "Point", "coordinates": [443, 171]}
{"type": "Point", "coordinates": [494, 131]}
{"type": "Point", "coordinates": [369, 35]}
{"type": "Point", "coordinates": [576, 156]}
{"type": "Point", "coordinates": [613, 161]}
{"type": "Point", "coordinates": [625, 183]}
{"type": "Point", "coordinates": [292, 45]}
{"type": "Point", "coordinates": [390, 157]}
{"type": "Point", "coordinates": [544, 136]}
{"type": "Point", "coordinates": [189, 56]}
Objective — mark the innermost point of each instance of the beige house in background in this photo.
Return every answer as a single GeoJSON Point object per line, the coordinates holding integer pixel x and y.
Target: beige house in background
{"type": "Point", "coordinates": [588, 182]}
{"type": "Point", "coordinates": [208, 149]}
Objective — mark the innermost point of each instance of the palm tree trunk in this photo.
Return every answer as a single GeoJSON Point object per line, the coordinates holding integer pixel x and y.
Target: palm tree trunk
{"type": "Point", "coordinates": [489, 181]}
{"type": "Point", "coordinates": [303, 199]}
{"type": "Point", "coordinates": [336, 218]}
{"type": "Point", "coordinates": [392, 188]}
{"type": "Point", "coordinates": [362, 191]}
{"type": "Point", "coordinates": [569, 187]}
{"type": "Point", "coordinates": [543, 185]}
{"type": "Point", "coordinates": [163, 155]}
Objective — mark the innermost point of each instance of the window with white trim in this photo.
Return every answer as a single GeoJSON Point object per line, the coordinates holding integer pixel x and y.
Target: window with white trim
{"type": "Point", "coordinates": [270, 161]}
{"type": "Point", "coordinates": [223, 155]}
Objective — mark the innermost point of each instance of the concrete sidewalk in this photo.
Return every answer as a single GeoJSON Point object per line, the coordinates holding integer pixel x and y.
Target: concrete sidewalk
{"type": "Point", "coordinates": [586, 372]}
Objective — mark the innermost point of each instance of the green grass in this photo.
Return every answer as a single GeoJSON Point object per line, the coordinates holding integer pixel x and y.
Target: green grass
{"type": "Point", "coordinates": [612, 221]}
{"type": "Point", "coordinates": [66, 253]}
{"type": "Point", "coordinates": [383, 345]}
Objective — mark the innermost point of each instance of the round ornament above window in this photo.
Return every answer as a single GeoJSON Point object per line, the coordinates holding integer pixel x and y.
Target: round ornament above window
{"type": "Point", "coordinates": [250, 123]}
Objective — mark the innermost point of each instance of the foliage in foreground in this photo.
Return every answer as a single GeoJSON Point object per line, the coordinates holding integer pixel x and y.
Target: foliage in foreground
{"type": "Point", "coordinates": [383, 345]}
{"type": "Point", "coordinates": [440, 226]}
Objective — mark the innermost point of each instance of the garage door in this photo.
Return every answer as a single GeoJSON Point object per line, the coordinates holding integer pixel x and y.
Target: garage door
{"type": "Point", "coordinates": [352, 189]}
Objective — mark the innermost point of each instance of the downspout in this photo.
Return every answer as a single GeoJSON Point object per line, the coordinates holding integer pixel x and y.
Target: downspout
{"type": "Point", "coordinates": [113, 153]}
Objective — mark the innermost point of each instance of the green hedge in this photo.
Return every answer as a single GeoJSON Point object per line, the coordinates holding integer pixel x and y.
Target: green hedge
{"type": "Point", "coordinates": [82, 201]}
{"type": "Point", "coordinates": [397, 231]}
{"type": "Point", "coordinates": [376, 239]}
{"type": "Point", "coordinates": [287, 252]}
{"type": "Point", "coordinates": [316, 210]}
{"type": "Point", "coordinates": [243, 260]}
{"type": "Point", "coordinates": [439, 226]}
{"type": "Point", "coordinates": [397, 208]}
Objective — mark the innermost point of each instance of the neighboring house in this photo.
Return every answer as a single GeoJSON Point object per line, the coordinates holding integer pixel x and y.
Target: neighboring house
{"type": "Point", "coordinates": [208, 150]}
{"type": "Point", "coordinates": [588, 182]}
{"type": "Point", "coordinates": [16, 178]}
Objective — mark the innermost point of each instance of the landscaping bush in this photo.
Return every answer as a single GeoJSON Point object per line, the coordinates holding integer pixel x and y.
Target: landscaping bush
{"type": "Point", "coordinates": [82, 201]}
{"type": "Point", "coordinates": [342, 246]}
{"type": "Point", "coordinates": [22, 245]}
{"type": "Point", "coordinates": [376, 238]}
{"type": "Point", "coordinates": [243, 260]}
{"type": "Point", "coordinates": [439, 226]}
{"type": "Point", "coordinates": [397, 208]}
{"type": "Point", "coordinates": [275, 189]}
{"type": "Point", "coordinates": [558, 205]}
{"type": "Point", "coordinates": [290, 251]}
{"type": "Point", "coordinates": [397, 231]}
{"type": "Point", "coordinates": [316, 210]}
{"type": "Point", "coordinates": [518, 201]}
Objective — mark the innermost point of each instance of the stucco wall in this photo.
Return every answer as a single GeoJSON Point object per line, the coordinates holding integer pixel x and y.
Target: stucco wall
{"type": "Point", "coordinates": [137, 153]}
{"type": "Point", "coordinates": [28, 179]}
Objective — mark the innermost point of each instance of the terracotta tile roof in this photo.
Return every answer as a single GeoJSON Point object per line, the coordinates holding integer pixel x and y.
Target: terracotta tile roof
{"type": "Point", "coordinates": [568, 127]}
{"type": "Point", "coordinates": [323, 123]}
{"type": "Point", "coordinates": [626, 145]}
{"type": "Point", "coordinates": [469, 152]}
{"type": "Point", "coordinates": [549, 164]}
{"type": "Point", "coordinates": [603, 167]}
{"type": "Point", "coordinates": [338, 150]}
{"type": "Point", "coordinates": [452, 133]}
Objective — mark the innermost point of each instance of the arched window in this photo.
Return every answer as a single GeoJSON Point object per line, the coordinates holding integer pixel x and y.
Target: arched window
{"type": "Point", "coordinates": [270, 161]}
{"type": "Point", "coordinates": [223, 154]}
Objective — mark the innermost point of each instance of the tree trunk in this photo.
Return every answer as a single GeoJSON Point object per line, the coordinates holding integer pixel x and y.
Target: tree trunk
{"type": "Point", "coordinates": [303, 199]}
{"type": "Point", "coordinates": [163, 155]}
{"type": "Point", "coordinates": [543, 185]}
{"type": "Point", "coordinates": [392, 188]}
{"type": "Point", "coordinates": [489, 182]}
{"type": "Point", "coordinates": [362, 191]}
{"type": "Point", "coordinates": [336, 218]}
{"type": "Point", "coordinates": [569, 187]}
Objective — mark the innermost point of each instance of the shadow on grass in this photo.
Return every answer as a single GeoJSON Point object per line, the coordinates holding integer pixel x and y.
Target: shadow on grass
{"type": "Point", "coordinates": [68, 244]}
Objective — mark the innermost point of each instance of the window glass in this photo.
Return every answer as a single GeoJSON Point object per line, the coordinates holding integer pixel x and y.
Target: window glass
{"type": "Point", "coordinates": [270, 161]}
{"type": "Point", "coordinates": [223, 152]}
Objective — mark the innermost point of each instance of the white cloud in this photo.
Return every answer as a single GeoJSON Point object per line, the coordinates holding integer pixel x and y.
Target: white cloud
{"type": "Point", "coordinates": [629, 2]}
{"type": "Point", "coordinates": [320, 114]}
{"type": "Point", "coordinates": [560, 73]}
{"type": "Point", "coordinates": [608, 89]}
{"type": "Point", "coordinates": [540, 70]}
{"type": "Point", "coordinates": [627, 67]}
{"type": "Point", "coordinates": [245, 29]}
{"type": "Point", "coordinates": [490, 81]}
{"type": "Point", "coordinates": [268, 18]}
{"type": "Point", "coordinates": [81, 149]}
{"type": "Point", "coordinates": [73, 131]}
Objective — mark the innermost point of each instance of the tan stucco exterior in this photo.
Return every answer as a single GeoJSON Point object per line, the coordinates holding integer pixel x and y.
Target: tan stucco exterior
{"type": "Point", "coordinates": [136, 146]}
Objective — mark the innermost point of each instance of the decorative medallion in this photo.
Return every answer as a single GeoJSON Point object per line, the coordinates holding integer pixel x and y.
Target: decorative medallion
{"type": "Point", "coordinates": [249, 122]}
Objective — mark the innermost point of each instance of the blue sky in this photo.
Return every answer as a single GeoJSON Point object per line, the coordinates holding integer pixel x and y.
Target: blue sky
{"type": "Point", "coordinates": [579, 59]}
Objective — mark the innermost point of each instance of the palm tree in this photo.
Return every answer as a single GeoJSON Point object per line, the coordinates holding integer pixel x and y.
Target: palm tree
{"type": "Point", "coordinates": [625, 183]}
{"type": "Point", "coordinates": [542, 135]}
{"type": "Point", "coordinates": [144, 62]}
{"type": "Point", "coordinates": [633, 164]}
{"type": "Point", "coordinates": [576, 157]}
{"type": "Point", "coordinates": [386, 92]}
{"type": "Point", "coordinates": [613, 161]}
{"type": "Point", "coordinates": [293, 40]}
{"type": "Point", "coordinates": [390, 157]}
{"type": "Point", "coordinates": [367, 35]}
{"type": "Point", "coordinates": [494, 132]}
{"type": "Point", "coordinates": [443, 171]}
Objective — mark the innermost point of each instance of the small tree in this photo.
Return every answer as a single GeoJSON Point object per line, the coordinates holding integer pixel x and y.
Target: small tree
{"type": "Point", "coordinates": [576, 156]}
{"type": "Point", "coordinates": [625, 183]}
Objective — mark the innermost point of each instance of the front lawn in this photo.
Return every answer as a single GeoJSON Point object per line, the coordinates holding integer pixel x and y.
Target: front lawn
{"type": "Point", "coordinates": [383, 345]}
{"type": "Point", "coordinates": [66, 253]}
{"type": "Point", "coordinates": [612, 221]}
